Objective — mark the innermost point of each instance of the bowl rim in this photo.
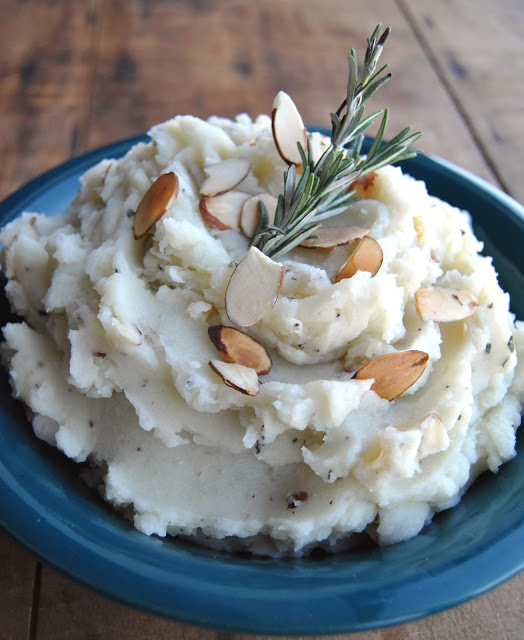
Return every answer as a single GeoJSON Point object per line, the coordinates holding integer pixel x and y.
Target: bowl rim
{"type": "Point", "coordinates": [254, 596]}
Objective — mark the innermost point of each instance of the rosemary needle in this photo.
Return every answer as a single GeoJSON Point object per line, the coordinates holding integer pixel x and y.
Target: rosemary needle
{"type": "Point", "coordinates": [323, 190]}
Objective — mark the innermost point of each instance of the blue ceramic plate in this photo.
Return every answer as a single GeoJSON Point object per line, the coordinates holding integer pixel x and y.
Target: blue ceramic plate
{"type": "Point", "coordinates": [464, 552]}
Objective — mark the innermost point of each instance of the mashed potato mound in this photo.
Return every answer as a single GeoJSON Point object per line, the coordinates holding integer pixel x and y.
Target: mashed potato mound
{"type": "Point", "coordinates": [112, 357]}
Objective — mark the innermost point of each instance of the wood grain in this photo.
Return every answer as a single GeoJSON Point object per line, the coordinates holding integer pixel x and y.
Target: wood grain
{"type": "Point", "coordinates": [17, 576]}
{"type": "Point", "coordinates": [156, 62]}
{"type": "Point", "coordinates": [77, 75]}
{"type": "Point", "coordinates": [46, 63]}
{"type": "Point", "coordinates": [69, 611]}
{"type": "Point", "coordinates": [479, 54]}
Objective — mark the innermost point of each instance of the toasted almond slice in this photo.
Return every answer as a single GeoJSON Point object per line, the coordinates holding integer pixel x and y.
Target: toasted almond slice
{"type": "Point", "coordinates": [394, 372]}
{"type": "Point", "coordinates": [224, 176]}
{"type": "Point", "coordinates": [223, 211]}
{"type": "Point", "coordinates": [363, 186]}
{"type": "Point", "coordinates": [251, 213]}
{"type": "Point", "coordinates": [441, 304]}
{"type": "Point", "coordinates": [154, 203]}
{"type": "Point", "coordinates": [253, 288]}
{"type": "Point", "coordinates": [236, 346]}
{"type": "Point", "coordinates": [288, 129]}
{"type": "Point", "coordinates": [434, 435]}
{"type": "Point", "coordinates": [237, 376]}
{"type": "Point", "coordinates": [334, 236]}
{"type": "Point", "coordinates": [367, 256]}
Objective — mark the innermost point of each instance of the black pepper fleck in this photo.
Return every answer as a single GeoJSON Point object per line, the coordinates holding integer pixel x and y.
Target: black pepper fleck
{"type": "Point", "coordinates": [511, 344]}
{"type": "Point", "coordinates": [488, 347]}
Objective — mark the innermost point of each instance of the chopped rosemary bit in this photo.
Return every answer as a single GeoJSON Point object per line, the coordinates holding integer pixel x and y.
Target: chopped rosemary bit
{"type": "Point", "coordinates": [323, 189]}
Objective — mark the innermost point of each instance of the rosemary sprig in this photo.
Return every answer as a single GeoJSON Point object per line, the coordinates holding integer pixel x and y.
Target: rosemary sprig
{"type": "Point", "coordinates": [321, 191]}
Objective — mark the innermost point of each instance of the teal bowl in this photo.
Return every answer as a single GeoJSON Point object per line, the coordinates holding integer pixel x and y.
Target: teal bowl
{"type": "Point", "coordinates": [463, 553]}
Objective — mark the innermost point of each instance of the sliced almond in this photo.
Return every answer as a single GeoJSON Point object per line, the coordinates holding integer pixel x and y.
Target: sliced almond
{"type": "Point", "coordinates": [334, 236]}
{"type": "Point", "coordinates": [288, 129]}
{"type": "Point", "coordinates": [224, 176]}
{"type": "Point", "coordinates": [237, 376]}
{"type": "Point", "coordinates": [253, 288]}
{"type": "Point", "coordinates": [223, 211]}
{"type": "Point", "coordinates": [368, 256]}
{"type": "Point", "coordinates": [434, 436]}
{"type": "Point", "coordinates": [442, 304]}
{"type": "Point", "coordinates": [251, 212]}
{"type": "Point", "coordinates": [393, 373]}
{"type": "Point", "coordinates": [236, 346]}
{"type": "Point", "coordinates": [154, 203]}
{"type": "Point", "coordinates": [363, 186]}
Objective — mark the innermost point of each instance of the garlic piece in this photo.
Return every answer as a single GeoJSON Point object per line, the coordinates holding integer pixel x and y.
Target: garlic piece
{"type": "Point", "coordinates": [434, 436]}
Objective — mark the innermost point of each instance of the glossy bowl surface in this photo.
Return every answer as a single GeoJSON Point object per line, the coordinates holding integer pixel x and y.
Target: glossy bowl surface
{"type": "Point", "coordinates": [464, 552]}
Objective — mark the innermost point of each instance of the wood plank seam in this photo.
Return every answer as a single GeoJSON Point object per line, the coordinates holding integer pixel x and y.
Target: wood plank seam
{"type": "Point", "coordinates": [35, 604]}
{"type": "Point", "coordinates": [419, 35]}
{"type": "Point", "coordinates": [96, 37]}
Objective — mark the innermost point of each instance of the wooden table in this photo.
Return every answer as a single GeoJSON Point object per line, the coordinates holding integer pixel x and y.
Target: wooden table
{"type": "Point", "coordinates": [76, 75]}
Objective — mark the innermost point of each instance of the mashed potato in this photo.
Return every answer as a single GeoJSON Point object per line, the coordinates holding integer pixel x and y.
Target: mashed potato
{"type": "Point", "coordinates": [112, 357]}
